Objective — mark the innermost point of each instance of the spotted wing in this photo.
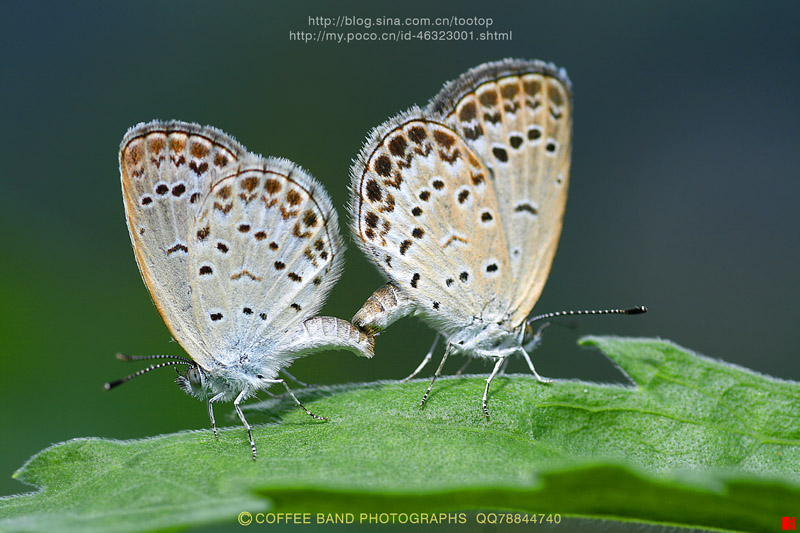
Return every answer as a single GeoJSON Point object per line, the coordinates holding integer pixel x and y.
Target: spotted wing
{"type": "Point", "coordinates": [517, 117]}
{"type": "Point", "coordinates": [167, 169]}
{"type": "Point", "coordinates": [426, 212]}
{"type": "Point", "coordinates": [263, 254]}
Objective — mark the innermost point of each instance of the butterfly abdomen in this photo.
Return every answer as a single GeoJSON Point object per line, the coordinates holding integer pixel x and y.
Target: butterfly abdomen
{"type": "Point", "coordinates": [330, 333]}
{"type": "Point", "coordinates": [386, 305]}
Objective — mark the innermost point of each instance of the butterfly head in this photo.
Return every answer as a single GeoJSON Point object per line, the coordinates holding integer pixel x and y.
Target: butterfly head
{"type": "Point", "coordinates": [532, 336]}
{"type": "Point", "coordinates": [194, 382]}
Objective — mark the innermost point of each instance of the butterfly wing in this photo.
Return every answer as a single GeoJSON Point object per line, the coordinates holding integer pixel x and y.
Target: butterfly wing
{"type": "Point", "coordinates": [167, 169]}
{"type": "Point", "coordinates": [517, 117]}
{"type": "Point", "coordinates": [426, 213]}
{"type": "Point", "coordinates": [264, 252]}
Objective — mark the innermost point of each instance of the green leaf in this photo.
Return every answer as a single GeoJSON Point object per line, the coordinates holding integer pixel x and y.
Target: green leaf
{"type": "Point", "coordinates": [697, 443]}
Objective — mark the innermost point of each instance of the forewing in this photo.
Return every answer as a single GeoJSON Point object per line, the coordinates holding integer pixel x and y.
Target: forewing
{"type": "Point", "coordinates": [167, 169]}
{"type": "Point", "coordinates": [426, 213]}
{"type": "Point", "coordinates": [264, 252]}
{"type": "Point", "coordinates": [517, 117]}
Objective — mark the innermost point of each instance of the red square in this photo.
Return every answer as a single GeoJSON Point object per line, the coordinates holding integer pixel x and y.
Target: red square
{"type": "Point", "coordinates": [788, 523]}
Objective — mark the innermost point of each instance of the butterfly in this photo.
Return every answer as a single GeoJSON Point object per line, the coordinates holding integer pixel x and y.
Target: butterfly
{"type": "Point", "coordinates": [460, 206]}
{"type": "Point", "coordinates": [238, 252]}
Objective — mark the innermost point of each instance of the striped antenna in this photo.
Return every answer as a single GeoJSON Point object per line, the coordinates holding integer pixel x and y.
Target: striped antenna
{"type": "Point", "coordinates": [123, 357]}
{"type": "Point", "coordinates": [175, 360]}
{"type": "Point", "coordinates": [638, 310]}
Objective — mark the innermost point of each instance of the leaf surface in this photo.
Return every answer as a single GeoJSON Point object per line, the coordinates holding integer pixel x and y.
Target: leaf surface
{"type": "Point", "coordinates": [696, 443]}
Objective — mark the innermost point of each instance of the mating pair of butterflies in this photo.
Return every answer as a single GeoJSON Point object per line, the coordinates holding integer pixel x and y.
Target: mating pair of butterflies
{"type": "Point", "coordinates": [459, 204]}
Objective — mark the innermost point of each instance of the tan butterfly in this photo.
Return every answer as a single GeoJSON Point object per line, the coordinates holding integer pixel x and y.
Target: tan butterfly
{"type": "Point", "coordinates": [238, 252]}
{"type": "Point", "coordinates": [460, 205]}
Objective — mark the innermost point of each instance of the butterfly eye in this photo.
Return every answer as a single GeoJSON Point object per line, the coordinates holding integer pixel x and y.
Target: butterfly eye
{"type": "Point", "coordinates": [195, 376]}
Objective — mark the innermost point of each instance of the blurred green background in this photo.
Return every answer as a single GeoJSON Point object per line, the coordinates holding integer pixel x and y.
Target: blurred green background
{"type": "Point", "coordinates": [684, 192]}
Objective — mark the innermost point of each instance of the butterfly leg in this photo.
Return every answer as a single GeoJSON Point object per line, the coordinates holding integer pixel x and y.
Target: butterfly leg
{"type": "Point", "coordinates": [288, 375]}
{"type": "Point", "coordinates": [497, 365]}
{"type": "Point", "coordinates": [291, 393]}
{"type": "Point", "coordinates": [211, 412]}
{"type": "Point", "coordinates": [435, 375]}
{"type": "Point", "coordinates": [505, 364]}
{"type": "Point", "coordinates": [530, 365]}
{"type": "Point", "coordinates": [236, 403]}
{"type": "Point", "coordinates": [427, 358]}
{"type": "Point", "coordinates": [463, 367]}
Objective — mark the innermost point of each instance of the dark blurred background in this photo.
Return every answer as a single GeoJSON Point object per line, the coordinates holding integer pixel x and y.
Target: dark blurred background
{"type": "Point", "coordinates": [684, 192]}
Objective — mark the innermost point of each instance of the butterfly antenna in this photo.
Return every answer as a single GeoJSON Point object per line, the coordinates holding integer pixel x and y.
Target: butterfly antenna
{"type": "Point", "coordinates": [112, 384]}
{"type": "Point", "coordinates": [638, 310]}
{"type": "Point", "coordinates": [123, 357]}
